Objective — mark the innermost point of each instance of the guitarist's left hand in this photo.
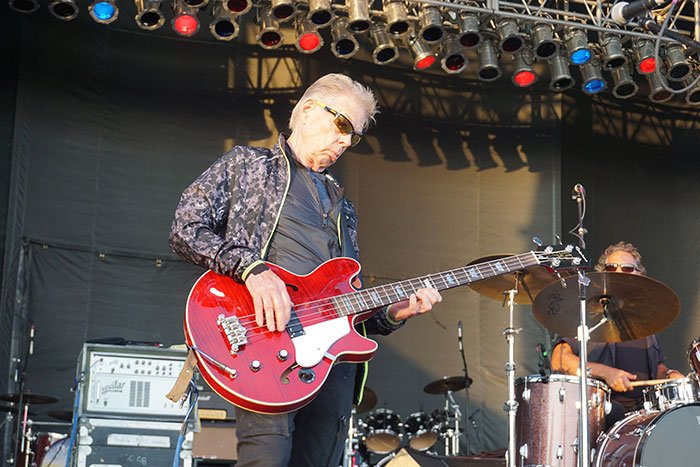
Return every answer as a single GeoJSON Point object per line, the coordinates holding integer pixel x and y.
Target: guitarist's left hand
{"type": "Point", "coordinates": [418, 303]}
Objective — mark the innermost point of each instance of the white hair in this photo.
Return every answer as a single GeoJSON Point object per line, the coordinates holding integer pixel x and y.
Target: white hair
{"type": "Point", "coordinates": [328, 88]}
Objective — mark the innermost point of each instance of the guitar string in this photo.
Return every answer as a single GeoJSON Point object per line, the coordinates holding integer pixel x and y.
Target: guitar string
{"type": "Point", "coordinates": [314, 314]}
{"type": "Point", "coordinates": [327, 305]}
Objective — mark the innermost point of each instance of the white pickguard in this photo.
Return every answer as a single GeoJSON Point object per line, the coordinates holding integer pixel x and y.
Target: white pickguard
{"type": "Point", "coordinates": [312, 346]}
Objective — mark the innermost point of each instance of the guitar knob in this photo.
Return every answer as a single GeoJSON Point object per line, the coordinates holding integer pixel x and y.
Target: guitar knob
{"type": "Point", "coordinates": [255, 365]}
{"type": "Point", "coordinates": [282, 355]}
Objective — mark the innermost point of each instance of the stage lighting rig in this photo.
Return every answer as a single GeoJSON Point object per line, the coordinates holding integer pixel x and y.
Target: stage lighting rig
{"type": "Point", "coordinates": [678, 68]}
{"type": "Point", "coordinates": [469, 32]}
{"type": "Point", "coordinates": [524, 74]}
{"type": "Point", "coordinates": [320, 12]}
{"type": "Point", "coordinates": [509, 38]}
{"type": "Point", "coordinates": [224, 26]}
{"type": "Point", "coordinates": [358, 15]}
{"type": "Point", "coordinates": [423, 57]}
{"type": "Point", "coordinates": [269, 37]}
{"type": "Point", "coordinates": [396, 17]}
{"type": "Point", "coordinates": [613, 53]}
{"type": "Point", "coordinates": [344, 44]}
{"type": "Point", "coordinates": [560, 76]}
{"type": "Point", "coordinates": [658, 87]}
{"type": "Point", "coordinates": [453, 59]}
{"type": "Point", "coordinates": [385, 51]}
{"type": "Point", "coordinates": [489, 70]}
{"type": "Point", "coordinates": [65, 10]}
{"type": "Point", "coordinates": [24, 6]}
{"type": "Point", "coordinates": [104, 11]}
{"type": "Point", "coordinates": [148, 14]}
{"type": "Point", "coordinates": [430, 22]}
{"type": "Point", "coordinates": [643, 50]}
{"type": "Point", "coordinates": [237, 7]}
{"type": "Point", "coordinates": [577, 46]}
{"type": "Point", "coordinates": [624, 86]}
{"type": "Point", "coordinates": [544, 44]}
{"type": "Point", "coordinates": [593, 81]}
{"type": "Point", "coordinates": [185, 21]}
{"type": "Point", "coordinates": [282, 10]}
{"type": "Point", "coordinates": [308, 39]}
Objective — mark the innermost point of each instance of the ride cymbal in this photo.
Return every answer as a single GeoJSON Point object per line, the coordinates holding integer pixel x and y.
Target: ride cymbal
{"type": "Point", "coordinates": [635, 306]}
{"type": "Point", "coordinates": [447, 383]}
{"type": "Point", "coordinates": [369, 400]}
{"type": "Point", "coordinates": [28, 398]}
{"type": "Point", "coordinates": [530, 281]}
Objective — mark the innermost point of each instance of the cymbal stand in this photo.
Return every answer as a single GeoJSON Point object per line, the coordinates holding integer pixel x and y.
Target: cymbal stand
{"type": "Point", "coordinates": [452, 410]}
{"type": "Point", "coordinates": [351, 453]}
{"type": "Point", "coordinates": [511, 405]}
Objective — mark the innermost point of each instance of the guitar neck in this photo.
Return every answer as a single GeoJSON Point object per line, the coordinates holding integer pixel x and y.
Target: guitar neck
{"type": "Point", "coordinates": [383, 295]}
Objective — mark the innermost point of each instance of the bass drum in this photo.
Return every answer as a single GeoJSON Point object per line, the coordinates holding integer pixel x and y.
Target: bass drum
{"type": "Point", "coordinates": [652, 439]}
{"type": "Point", "coordinates": [56, 455]}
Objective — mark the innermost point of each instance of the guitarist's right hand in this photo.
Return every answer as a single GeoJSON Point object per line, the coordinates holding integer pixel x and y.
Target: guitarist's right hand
{"type": "Point", "coordinates": [273, 307]}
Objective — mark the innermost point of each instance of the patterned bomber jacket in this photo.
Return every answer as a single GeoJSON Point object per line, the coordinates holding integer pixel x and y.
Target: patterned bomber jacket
{"type": "Point", "coordinates": [227, 216]}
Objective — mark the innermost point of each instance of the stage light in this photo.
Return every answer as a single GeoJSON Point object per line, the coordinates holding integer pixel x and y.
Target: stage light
{"type": "Point", "coordinates": [308, 39]}
{"type": "Point", "coordinates": [185, 21]}
{"type": "Point", "coordinates": [103, 11]}
{"type": "Point", "coordinates": [64, 10]}
{"type": "Point", "coordinates": [423, 57]}
{"type": "Point", "coordinates": [559, 74]}
{"type": "Point", "coordinates": [678, 69]}
{"type": "Point", "coordinates": [320, 12]}
{"type": "Point", "coordinates": [24, 6]}
{"type": "Point", "coordinates": [385, 51]}
{"type": "Point", "coordinates": [544, 44]}
{"type": "Point", "coordinates": [396, 17]}
{"type": "Point", "coordinates": [453, 59]}
{"type": "Point", "coordinates": [223, 27]}
{"type": "Point", "coordinates": [197, 4]}
{"type": "Point", "coordinates": [344, 44]}
{"type": "Point", "coordinates": [488, 61]}
{"type": "Point", "coordinates": [658, 91]}
{"type": "Point", "coordinates": [624, 86]}
{"type": "Point", "coordinates": [148, 14]}
{"type": "Point", "coordinates": [509, 38]}
{"type": "Point", "coordinates": [693, 96]}
{"type": "Point", "coordinates": [577, 46]}
{"type": "Point", "coordinates": [282, 10]}
{"type": "Point", "coordinates": [593, 81]}
{"type": "Point", "coordinates": [358, 15]}
{"type": "Point", "coordinates": [237, 7]}
{"type": "Point", "coordinates": [644, 55]}
{"type": "Point", "coordinates": [613, 54]}
{"type": "Point", "coordinates": [430, 21]}
{"type": "Point", "coordinates": [523, 74]}
{"type": "Point", "coordinates": [469, 34]}
{"type": "Point", "coordinates": [269, 36]}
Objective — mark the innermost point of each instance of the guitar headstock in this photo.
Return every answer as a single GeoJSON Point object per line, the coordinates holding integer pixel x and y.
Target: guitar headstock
{"type": "Point", "coordinates": [556, 257]}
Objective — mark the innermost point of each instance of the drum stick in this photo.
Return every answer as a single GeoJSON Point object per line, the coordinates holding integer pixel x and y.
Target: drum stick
{"type": "Point", "coordinates": [648, 382]}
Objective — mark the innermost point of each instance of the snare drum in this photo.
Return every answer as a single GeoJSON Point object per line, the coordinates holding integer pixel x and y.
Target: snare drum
{"type": "Point", "coordinates": [546, 421]}
{"type": "Point", "coordinates": [419, 430]}
{"type": "Point", "coordinates": [671, 393]}
{"type": "Point", "coordinates": [652, 439]}
{"type": "Point", "coordinates": [383, 431]}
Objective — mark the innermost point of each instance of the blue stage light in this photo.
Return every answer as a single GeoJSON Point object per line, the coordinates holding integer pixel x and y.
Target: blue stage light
{"type": "Point", "coordinates": [580, 56]}
{"type": "Point", "coordinates": [104, 11]}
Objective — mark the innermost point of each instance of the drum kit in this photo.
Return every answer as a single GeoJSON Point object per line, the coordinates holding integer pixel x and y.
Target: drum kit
{"type": "Point", "coordinates": [544, 409]}
{"type": "Point", "coordinates": [382, 431]}
{"type": "Point", "coordinates": [35, 446]}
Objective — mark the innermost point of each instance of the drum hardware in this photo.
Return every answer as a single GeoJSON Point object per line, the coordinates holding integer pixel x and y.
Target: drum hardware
{"type": "Point", "coordinates": [694, 356]}
{"type": "Point", "coordinates": [352, 455]}
{"type": "Point", "coordinates": [451, 414]}
{"type": "Point", "coordinates": [670, 393]}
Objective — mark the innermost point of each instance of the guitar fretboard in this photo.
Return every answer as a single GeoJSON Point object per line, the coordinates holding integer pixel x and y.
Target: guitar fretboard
{"type": "Point", "coordinates": [375, 297]}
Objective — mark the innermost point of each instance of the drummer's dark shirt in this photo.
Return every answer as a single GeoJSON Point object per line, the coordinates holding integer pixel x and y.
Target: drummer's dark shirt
{"type": "Point", "coordinates": [632, 356]}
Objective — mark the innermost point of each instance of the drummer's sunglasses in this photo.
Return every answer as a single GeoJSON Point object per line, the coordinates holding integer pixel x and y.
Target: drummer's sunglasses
{"type": "Point", "coordinates": [624, 267]}
{"type": "Point", "coordinates": [343, 124]}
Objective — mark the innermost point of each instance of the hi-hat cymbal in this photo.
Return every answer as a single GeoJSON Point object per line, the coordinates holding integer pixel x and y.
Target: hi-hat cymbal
{"type": "Point", "coordinates": [28, 398]}
{"type": "Point", "coordinates": [447, 383]}
{"type": "Point", "coordinates": [369, 400]}
{"type": "Point", "coordinates": [637, 306]}
{"type": "Point", "coordinates": [530, 281]}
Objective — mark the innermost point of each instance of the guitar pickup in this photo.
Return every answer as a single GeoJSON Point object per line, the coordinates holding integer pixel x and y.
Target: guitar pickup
{"type": "Point", "coordinates": [234, 331]}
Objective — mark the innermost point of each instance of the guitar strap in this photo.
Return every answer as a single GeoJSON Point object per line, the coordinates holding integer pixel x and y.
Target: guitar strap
{"type": "Point", "coordinates": [182, 383]}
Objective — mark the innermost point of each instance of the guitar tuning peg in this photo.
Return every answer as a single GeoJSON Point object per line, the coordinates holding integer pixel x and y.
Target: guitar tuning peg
{"type": "Point", "coordinates": [537, 241]}
{"type": "Point", "coordinates": [558, 239]}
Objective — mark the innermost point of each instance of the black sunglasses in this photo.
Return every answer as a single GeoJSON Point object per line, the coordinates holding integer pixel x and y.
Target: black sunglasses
{"type": "Point", "coordinates": [624, 267]}
{"type": "Point", "coordinates": [343, 124]}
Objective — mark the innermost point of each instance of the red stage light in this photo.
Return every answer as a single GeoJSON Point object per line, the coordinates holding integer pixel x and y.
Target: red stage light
{"type": "Point", "coordinates": [425, 62]}
{"type": "Point", "coordinates": [309, 42]}
{"type": "Point", "coordinates": [524, 78]}
{"type": "Point", "coordinates": [648, 65]}
{"type": "Point", "coordinates": [186, 25]}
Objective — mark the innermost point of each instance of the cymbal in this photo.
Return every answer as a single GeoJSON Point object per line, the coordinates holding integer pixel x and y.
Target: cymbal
{"type": "Point", "coordinates": [369, 400]}
{"type": "Point", "coordinates": [530, 282]}
{"type": "Point", "coordinates": [28, 398]}
{"type": "Point", "coordinates": [62, 415]}
{"type": "Point", "coordinates": [447, 383]}
{"type": "Point", "coordinates": [637, 306]}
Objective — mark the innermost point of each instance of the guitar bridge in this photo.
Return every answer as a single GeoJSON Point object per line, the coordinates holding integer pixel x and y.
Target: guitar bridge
{"type": "Point", "coordinates": [234, 332]}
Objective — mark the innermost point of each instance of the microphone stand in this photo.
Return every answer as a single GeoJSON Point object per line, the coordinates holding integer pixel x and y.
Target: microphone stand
{"type": "Point", "coordinates": [584, 450]}
{"type": "Point", "coordinates": [466, 382]}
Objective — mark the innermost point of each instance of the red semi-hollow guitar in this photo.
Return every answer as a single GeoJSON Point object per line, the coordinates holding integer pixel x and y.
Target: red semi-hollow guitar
{"type": "Point", "coordinates": [276, 372]}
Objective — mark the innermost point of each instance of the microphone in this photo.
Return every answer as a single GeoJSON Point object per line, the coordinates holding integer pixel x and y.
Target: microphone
{"type": "Point", "coordinates": [623, 12]}
{"type": "Point", "coordinates": [543, 364]}
{"type": "Point", "coordinates": [31, 340]}
{"type": "Point", "coordinates": [459, 336]}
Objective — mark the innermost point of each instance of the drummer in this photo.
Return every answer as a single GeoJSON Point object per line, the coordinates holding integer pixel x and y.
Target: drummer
{"type": "Point", "coordinates": [618, 364]}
